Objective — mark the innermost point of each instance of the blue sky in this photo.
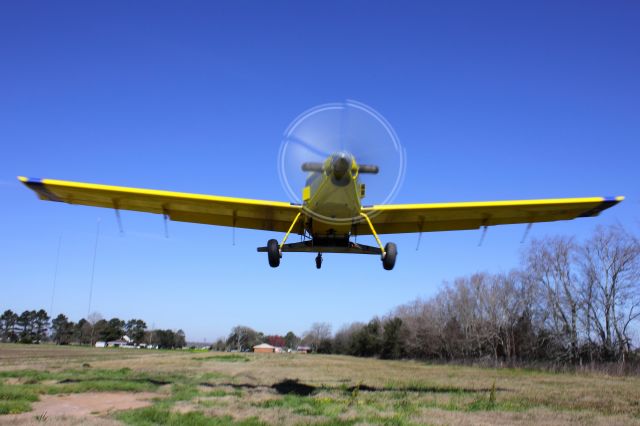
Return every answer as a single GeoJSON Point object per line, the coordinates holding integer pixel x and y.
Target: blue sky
{"type": "Point", "coordinates": [492, 100]}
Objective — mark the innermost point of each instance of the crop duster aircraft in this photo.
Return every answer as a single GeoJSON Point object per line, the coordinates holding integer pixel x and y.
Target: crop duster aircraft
{"type": "Point", "coordinates": [331, 213]}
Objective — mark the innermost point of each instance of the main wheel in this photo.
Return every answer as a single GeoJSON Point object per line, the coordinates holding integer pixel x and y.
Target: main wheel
{"type": "Point", "coordinates": [319, 261]}
{"type": "Point", "coordinates": [389, 259]}
{"type": "Point", "coordinates": [273, 251]}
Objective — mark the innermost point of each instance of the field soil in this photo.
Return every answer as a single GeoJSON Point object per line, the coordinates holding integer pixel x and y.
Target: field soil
{"type": "Point", "coordinates": [80, 385]}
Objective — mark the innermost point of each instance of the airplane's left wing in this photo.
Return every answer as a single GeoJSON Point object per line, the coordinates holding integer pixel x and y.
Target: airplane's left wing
{"type": "Point", "coordinates": [400, 218]}
{"type": "Point", "coordinates": [179, 206]}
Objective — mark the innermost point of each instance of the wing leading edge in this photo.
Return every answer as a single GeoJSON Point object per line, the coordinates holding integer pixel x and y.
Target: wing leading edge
{"type": "Point", "coordinates": [178, 206]}
{"type": "Point", "coordinates": [402, 218]}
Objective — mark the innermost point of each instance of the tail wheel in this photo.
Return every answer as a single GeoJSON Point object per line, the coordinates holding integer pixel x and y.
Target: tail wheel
{"type": "Point", "coordinates": [273, 251]}
{"type": "Point", "coordinates": [389, 259]}
{"type": "Point", "coordinates": [319, 261]}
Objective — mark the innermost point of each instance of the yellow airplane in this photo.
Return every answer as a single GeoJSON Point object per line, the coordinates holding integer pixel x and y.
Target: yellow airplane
{"type": "Point", "coordinates": [331, 214]}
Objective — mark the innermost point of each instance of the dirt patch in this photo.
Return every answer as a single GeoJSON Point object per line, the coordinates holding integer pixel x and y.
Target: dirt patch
{"type": "Point", "coordinates": [60, 421]}
{"type": "Point", "coordinates": [80, 405]}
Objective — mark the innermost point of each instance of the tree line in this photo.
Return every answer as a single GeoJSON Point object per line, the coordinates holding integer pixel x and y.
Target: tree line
{"type": "Point", "coordinates": [36, 327]}
{"type": "Point", "coordinates": [568, 302]}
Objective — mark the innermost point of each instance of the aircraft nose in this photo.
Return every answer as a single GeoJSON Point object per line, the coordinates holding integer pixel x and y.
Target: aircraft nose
{"type": "Point", "coordinates": [340, 165]}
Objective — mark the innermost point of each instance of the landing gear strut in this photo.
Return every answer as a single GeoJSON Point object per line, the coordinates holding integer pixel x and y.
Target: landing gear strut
{"type": "Point", "coordinates": [330, 243]}
{"type": "Point", "coordinates": [389, 251]}
{"type": "Point", "coordinates": [274, 250]}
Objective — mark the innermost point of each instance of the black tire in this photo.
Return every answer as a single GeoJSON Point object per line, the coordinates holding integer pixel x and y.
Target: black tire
{"type": "Point", "coordinates": [389, 261]}
{"type": "Point", "coordinates": [318, 262]}
{"type": "Point", "coordinates": [273, 251]}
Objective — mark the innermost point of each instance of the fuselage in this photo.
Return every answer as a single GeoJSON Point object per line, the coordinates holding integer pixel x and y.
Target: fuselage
{"type": "Point", "coordinates": [331, 197]}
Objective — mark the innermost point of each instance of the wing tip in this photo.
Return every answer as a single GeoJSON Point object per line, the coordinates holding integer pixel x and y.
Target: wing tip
{"type": "Point", "coordinates": [606, 203]}
{"type": "Point", "coordinates": [612, 201]}
{"type": "Point", "coordinates": [30, 180]}
{"type": "Point", "coordinates": [38, 186]}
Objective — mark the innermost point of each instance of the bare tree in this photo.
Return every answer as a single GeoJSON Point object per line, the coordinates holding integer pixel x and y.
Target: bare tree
{"type": "Point", "coordinates": [93, 318]}
{"type": "Point", "coordinates": [317, 334]}
{"type": "Point", "coordinates": [611, 268]}
{"type": "Point", "coordinates": [550, 263]}
{"type": "Point", "coordinates": [243, 338]}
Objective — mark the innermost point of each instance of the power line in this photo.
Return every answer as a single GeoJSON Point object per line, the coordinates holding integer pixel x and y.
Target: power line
{"type": "Point", "coordinates": [55, 275]}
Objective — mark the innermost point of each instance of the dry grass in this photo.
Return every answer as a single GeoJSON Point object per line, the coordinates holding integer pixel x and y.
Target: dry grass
{"type": "Point", "coordinates": [205, 388]}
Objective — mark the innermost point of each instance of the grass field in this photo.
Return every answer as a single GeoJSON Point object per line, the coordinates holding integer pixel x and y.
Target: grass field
{"type": "Point", "coordinates": [74, 385]}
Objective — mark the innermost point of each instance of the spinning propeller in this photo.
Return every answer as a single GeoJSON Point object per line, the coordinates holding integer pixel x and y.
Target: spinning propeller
{"type": "Point", "coordinates": [342, 139]}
